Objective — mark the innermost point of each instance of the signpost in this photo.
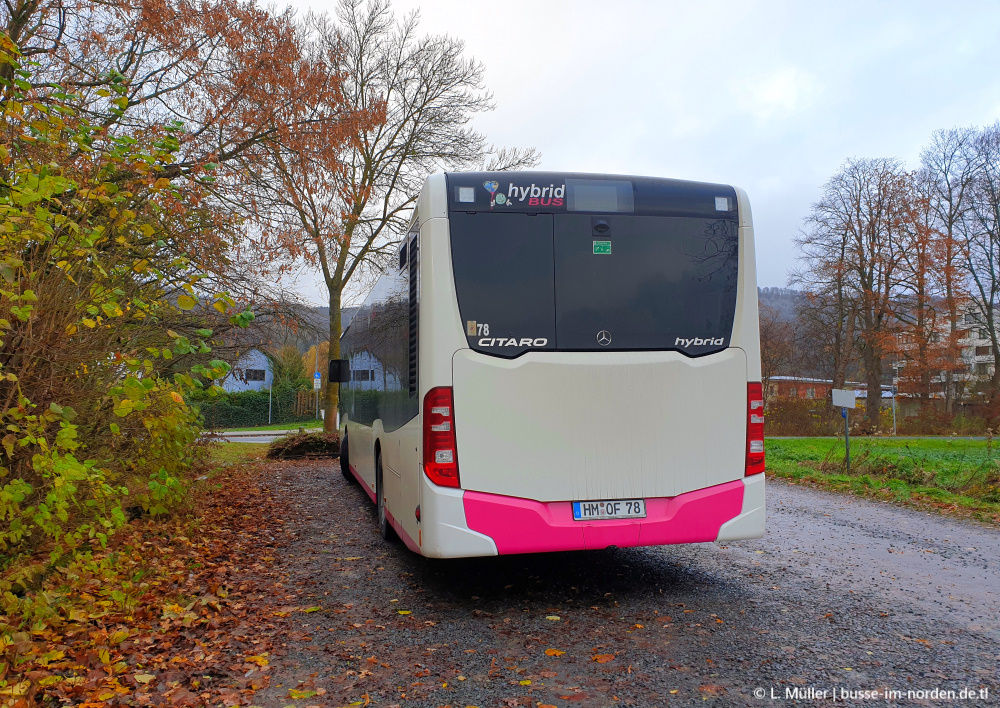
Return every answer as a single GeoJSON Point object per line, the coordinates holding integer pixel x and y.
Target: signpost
{"type": "Point", "coordinates": [317, 385]}
{"type": "Point", "coordinates": [844, 399]}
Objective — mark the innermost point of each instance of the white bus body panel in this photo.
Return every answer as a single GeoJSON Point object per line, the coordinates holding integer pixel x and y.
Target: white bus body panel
{"type": "Point", "coordinates": [556, 426]}
{"type": "Point", "coordinates": [750, 522]}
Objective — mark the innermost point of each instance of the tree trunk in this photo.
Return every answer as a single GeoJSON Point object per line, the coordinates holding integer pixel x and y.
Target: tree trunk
{"type": "Point", "coordinates": [333, 387]}
{"type": "Point", "coordinates": [873, 372]}
{"type": "Point", "coordinates": [874, 400]}
{"type": "Point", "coordinates": [950, 390]}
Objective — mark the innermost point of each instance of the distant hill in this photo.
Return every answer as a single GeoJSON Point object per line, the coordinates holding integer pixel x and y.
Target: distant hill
{"type": "Point", "coordinates": [784, 300]}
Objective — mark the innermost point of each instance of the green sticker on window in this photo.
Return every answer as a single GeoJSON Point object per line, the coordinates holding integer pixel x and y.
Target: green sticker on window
{"type": "Point", "coordinates": [602, 247]}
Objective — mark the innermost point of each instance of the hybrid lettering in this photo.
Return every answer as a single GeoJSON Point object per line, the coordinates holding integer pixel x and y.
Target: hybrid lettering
{"type": "Point", "coordinates": [699, 342]}
{"type": "Point", "coordinates": [538, 196]}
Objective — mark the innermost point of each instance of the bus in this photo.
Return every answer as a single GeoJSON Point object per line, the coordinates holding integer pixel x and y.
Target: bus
{"type": "Point", "coordinates": [560, 361]}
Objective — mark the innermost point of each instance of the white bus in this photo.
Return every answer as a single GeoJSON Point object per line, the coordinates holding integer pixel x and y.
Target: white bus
{"type": "Point", "coordinates": [561, 361]}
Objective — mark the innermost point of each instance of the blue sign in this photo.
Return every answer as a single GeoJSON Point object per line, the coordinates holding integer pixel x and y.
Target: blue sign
{"type": "Point", "coordinates": [317, 375]}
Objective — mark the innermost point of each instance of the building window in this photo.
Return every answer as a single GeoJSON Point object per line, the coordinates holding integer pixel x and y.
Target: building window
{"type": "Point", "coordinates": [254, 375]}
{"type": "Point", "coordinates": [984, 333]}
{"type": "Point", "coordinates": [810, 392]}
{"type": "Point", "coordinates": [971, 318]}
{"type": "Point", "coordinates": [363, 374]}
{"type": "Point", "coordinates": [984, 351]}
{"type": "Point", "coordinates": [982, 368]}
{"type": "Point", "coordinates": [793, 392]}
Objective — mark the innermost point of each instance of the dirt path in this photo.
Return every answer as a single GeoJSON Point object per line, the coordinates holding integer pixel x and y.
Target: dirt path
{"type": "Point", "coordinates": [841, 595]}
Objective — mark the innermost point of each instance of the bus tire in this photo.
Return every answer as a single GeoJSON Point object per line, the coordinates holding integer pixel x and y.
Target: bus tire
{"type": "Point", "coordinates": [345, 463]}
{"type": "Point", "coordinates": [385, 529]}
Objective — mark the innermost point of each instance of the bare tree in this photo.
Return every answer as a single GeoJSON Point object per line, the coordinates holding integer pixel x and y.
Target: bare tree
{"type": "Point", "coordinates": [949, 167]}
{"type": "Point", "coordinates": [777, 346]}
{"type": "Point", "coordinates": [344, 211]}
{"type": "Point", "coordinates": [854, 241]}
{"type": "Point", "coordinates": [828, 311]}
{"type": "Point", "coordinates": [824, 335]}
{"type": "Point", "coordinates": [922, 300]}
{"type": "Point", "coordinates": [980, 231]}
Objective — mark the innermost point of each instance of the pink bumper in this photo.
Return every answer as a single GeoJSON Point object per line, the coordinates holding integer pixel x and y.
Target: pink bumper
{"type": "Point", "coordinates": [525, 526]}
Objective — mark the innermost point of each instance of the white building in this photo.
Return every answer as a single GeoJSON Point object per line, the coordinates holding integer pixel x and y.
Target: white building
{"type": "Point", "coordinates": [252, 372]}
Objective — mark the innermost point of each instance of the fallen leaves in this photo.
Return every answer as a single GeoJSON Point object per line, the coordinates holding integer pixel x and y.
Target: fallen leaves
{"type": "Point", "coordinates": [553, 618]}
{"type": "Point", "coordinates": [603, 658]}
{"type": "Point", "coordinates": [554, 652]}
{"type": "Point", "coordinates": [299, 695]}
{"type": "Point", "coordinates": [149, 620]}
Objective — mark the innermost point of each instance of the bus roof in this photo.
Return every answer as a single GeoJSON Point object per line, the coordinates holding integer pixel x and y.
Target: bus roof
{"type": "Point", "coordinates": [574, 192]}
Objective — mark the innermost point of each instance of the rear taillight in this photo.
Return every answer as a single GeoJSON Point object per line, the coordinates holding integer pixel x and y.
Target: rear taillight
{"type": "Point", "coordinates": [755, 429]}
{"type": "Point", "coordinates": [440, 455]}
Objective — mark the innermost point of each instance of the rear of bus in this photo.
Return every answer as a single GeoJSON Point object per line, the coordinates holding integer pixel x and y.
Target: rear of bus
{"type": "Point", "coordinates": [590, 364]}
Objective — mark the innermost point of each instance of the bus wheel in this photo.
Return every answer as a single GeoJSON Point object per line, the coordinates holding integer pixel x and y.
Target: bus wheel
{"type": "Point", "coordinates": [345, 463]}
{"type": "Point", "coordinates": [385, 530]}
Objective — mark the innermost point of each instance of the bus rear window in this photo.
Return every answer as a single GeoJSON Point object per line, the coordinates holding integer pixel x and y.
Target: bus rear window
{"type": "Point", "coordinates": [645, 282]}
{"type": "Point", "coordinates": [504, 278]}
{"type": "Point", "coordinates": [595, 282]}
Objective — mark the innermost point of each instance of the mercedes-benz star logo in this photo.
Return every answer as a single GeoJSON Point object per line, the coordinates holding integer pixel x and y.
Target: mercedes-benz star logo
{"type": "Point", "coordinates": [604, 337]}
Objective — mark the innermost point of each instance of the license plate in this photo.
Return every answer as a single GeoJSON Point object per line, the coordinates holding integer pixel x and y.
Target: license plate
{"type": "Point", "coordinates": [616, 509]}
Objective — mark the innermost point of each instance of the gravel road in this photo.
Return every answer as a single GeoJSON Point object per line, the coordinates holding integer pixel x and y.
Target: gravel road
{"type": "Point", "coordinates": [843, 595]}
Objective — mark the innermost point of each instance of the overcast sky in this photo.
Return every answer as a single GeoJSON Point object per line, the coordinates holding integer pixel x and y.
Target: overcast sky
{"type": "Point", "coordinates": [768, 96]}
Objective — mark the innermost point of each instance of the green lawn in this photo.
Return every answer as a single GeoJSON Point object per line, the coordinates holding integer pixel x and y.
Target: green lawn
{"type": "Point", "coordinates": [285, 426]}
{"type": "Point", "coordinates": [231, 453]}
{"type": "Point", "coordinates": [948, 473]}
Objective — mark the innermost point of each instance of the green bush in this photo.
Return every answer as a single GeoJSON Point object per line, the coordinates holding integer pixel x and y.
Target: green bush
{"type": "Point", "coordinates": [248, 409]}
{"type": "Point", "coordinates": [92, 378]}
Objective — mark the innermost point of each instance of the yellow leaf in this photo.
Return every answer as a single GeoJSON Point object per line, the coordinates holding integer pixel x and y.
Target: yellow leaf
{"type": "Point", "coordinates": [186, 302]}
{"type": "Point", "coordinates": [554, 652]}
{"type": "Point", "coordinates": [50, 656]}
{"type": "Point", "coordinates": [220, 306]}
{"type": "Point", "coordinates": [71, 330]}
{"type": "Point", "coordinates": [144, 678]}
{"type": "Point", "coordinates": [177, 397]}
{"type": "Point", "coordinates": [18, 689]}
{"type": "Point", "coordinates": [554, 618]}
{"type": "Point", "coordinates": [526, 682]}
{"type": "Point", "coordinates": [89, 322]}
{"type": "Point", "coordinates": [260, 660]}
{"type": "Point", "coordinates": [312, 609]}
{"type": "Point", "coordinates": [404, 612]}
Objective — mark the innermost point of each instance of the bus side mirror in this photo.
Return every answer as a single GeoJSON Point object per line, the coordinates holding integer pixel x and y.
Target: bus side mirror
{"type": "Point", "coordinates": [340, 371]}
